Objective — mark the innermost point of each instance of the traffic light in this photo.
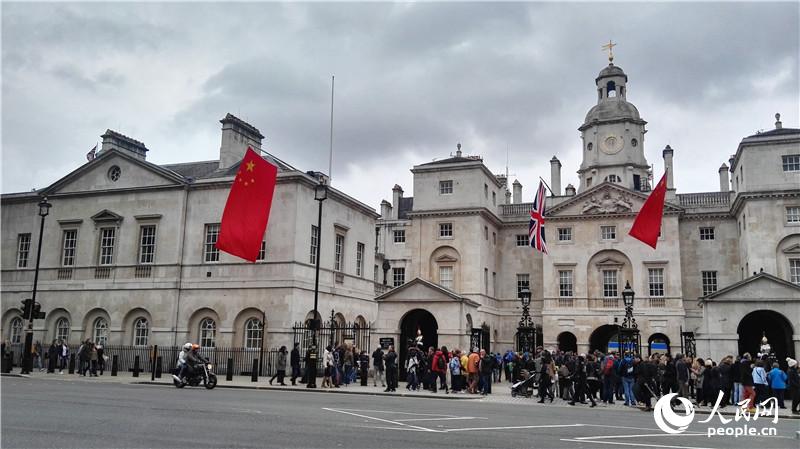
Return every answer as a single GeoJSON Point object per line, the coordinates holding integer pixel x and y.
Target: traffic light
{"type": "Point", "coordinates": [37, 312]}
{"type": "Point", "coordinates": [27, 308]}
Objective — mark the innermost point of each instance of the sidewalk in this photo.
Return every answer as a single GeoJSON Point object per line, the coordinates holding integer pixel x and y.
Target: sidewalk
{"type": "Point", "coordinates": [501, 392]}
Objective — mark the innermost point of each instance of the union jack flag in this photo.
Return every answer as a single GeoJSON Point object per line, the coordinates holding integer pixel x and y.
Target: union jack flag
{"type": "Point", "coordinates": [536, 227]}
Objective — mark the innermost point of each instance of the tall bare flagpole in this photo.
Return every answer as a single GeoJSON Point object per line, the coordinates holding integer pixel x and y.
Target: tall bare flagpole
{"type": "Point", "coordinates": [330, 148]}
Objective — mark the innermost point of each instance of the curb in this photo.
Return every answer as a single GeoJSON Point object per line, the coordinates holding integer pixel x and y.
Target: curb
{"type": "Point", "coordinates": [318, 390]}
{"type": "Point", "coordinates": [24, 376]}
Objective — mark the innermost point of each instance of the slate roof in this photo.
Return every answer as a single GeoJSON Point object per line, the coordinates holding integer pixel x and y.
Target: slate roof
{"type": "Point", "coordinates": [406, 205]}
{"type": "Point", "coordinates": [210, 169]}
{"type": "Point", "coordinates": [776, 132]}
{"type": "Point", "coordinates": [455, 159]}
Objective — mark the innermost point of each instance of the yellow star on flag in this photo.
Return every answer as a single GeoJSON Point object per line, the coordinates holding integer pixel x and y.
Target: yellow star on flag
{"type": "Point", "coordinates": [250, 165]}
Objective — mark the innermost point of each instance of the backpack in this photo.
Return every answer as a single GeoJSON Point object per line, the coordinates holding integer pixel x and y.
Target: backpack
{"type": "Point", "coordinates": [608, 366]}
{"type": "Point", "coordinates": [440, 363]}
{"type": "Point", "coordinates": [455, 366]}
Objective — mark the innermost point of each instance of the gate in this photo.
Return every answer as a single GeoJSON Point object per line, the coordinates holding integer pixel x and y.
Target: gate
{"type": "Point", "coordinates": [332, 334]}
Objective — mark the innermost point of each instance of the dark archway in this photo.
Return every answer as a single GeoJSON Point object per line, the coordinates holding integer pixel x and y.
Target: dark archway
{"type": "Point", "coordinates": [658, 343]}
{"type": "Point", "coordinates": [409, 324]}
{"type": "Point", "coordinates": [771, 324]}
{"type": "Point", "coordinates": [601, 336]}
{"type": "Point", "coordinates": [567, 341]}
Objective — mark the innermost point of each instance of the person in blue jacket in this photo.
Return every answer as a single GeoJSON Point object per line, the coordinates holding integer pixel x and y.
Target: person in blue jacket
{"type": "Point", "coordinates": [777, 381]}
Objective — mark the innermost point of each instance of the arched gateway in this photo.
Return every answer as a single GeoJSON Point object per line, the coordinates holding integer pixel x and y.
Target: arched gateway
{"type": "Point", "coordinates": [416, 320]}
{"type": "Point", "coordinates": [760, 323]}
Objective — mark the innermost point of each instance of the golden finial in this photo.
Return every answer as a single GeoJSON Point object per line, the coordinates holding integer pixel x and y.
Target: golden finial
{"type": "Point", "coordinates": [610, 47]}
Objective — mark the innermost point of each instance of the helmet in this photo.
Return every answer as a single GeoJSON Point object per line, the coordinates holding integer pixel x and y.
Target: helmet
{"type": "Point", "coordinates": [187, 347]}
{"type": "Point", "coordinates": [195, 346]}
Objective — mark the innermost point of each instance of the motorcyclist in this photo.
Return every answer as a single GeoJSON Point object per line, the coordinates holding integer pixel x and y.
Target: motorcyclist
{"type": "Point", "coordinates": [182, 362]}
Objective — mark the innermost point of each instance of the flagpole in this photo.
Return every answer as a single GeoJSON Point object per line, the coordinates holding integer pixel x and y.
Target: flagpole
{"type": "Point", "coordinates": [547, 186]}
{"type": "Point", "coordinates": [330, 147]}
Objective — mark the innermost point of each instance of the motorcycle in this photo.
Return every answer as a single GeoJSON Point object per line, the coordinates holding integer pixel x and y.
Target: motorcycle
{"type": "Point", "coordinates": [202, 372]}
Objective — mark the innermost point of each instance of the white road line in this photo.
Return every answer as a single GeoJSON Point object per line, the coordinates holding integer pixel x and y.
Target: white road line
{"type": "Point", "coordinates": [439, 419]}
{"type": "Point", "coordinates": [407, 429]}
{"type": "Point", "coordinates": [513, 427]}
{"type": "Point", "coordinates": [380, 419]}
{"type": "Point", "coordinates": [618, 443]}
{"type": "Point", "coordinates": [663, 434]}
{"type": "Point", "coordinates": [396, 412]}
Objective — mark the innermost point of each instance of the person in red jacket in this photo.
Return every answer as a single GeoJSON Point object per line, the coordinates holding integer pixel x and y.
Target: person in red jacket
{"type": "Point", "coordinates": [439, 368]}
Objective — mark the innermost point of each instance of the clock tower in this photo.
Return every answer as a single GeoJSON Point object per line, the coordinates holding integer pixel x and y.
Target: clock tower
{"type": "Point", "coordinates": [613, 136]}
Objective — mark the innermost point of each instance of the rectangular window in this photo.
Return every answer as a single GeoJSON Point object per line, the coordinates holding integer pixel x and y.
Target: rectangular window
{"type": "Point", "coordinates": [107, 238]}
{"type": "Point", "coordinates": [494, 198]}
{"type": "Point", "coordinates": [359, 259]}
{"type": "Point", "coordinates": [494, 238]}
{"type": "Point", "coordinates": [486, 281]}
{"type": "Point", "coordinates": [375, 273]}
{"type": "Point", "coordinates": [314, 244]}
{"type": "Point", "coordinates": [564, 234]}
{"type": "Point", "coordinates": [446, 277]}
{"type": "Point", "coordinates": [262, 252]}
{"type": "Point", "coordinates": [793, 214]}
{"type": "Point", "coordinates": [522, 240]}
{"type": "Point", "coordinates": [608, 232]}
{"type": "Point", "coordinates": [210, 251]}
{"type": "Point", "coordinates": [794, 271]}
{"type": "Point", "coordinates": [147, 244]}
{"type": "Point", "coordinates": [588, 182]}
{"type": "Point", "coordinates": [565, 283]}
{"type": "Point", "coordinates": [709, 282]}
{"type": "Point", "coordinates": [610, 284]}
{"type": "Point", "coordinates": [486, 233]}
{"type": "Point", "coordinates": [445, 187]}
{"type": "Point", "coordinates": [338, 248]}
{"type": "Point", "coordinates": [486, 191]}
{"type": "Point", "coordinates": [69, 243]}
{"type": "Point", "coordinates": [791, 162]}
{"type": "Point", "coordinates": [494, 283]}
{"type": "Point", "coordinates": [400, 236]}
{"type": "Point", "coordinates": [655, 278]}
{"type": "Point", "coordinates": [445, 229]}
{"type": "Point", "coordinates": [706, 233]}
{"type": "Point", "coordinates": [523, 282]}
{"type": "Point", "coordinates": [23, 249]}
{"type": "Point", "coordinates": [398, 276]}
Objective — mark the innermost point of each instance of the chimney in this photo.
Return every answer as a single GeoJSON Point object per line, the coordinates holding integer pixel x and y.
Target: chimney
{"type": "Point", "coordinates": [517, 191]}
{"type": "Point", "coordinates": [237, 135]}
{"type": "Point", "coordinates": [778, 123]}
{"type": "Point", "coordinates": [397, 194]}
{"type": "Point", "coordinates": [570, 191]}
{"type": "Point", "coordinates": [667, 154]}
{"type": "Point", "coordinates": [113, 139]}
{"type": "Point", "coordinates": [503, 180]}
{"type": "Point", "coordinates": [386, 210]}
{"type": "Point", "coordinates": [724, 179]}
{"type": "Point", "coordinates": [555, 176]}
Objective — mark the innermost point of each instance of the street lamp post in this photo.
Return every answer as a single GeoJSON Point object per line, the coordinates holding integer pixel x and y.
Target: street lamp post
{"type": "Point", "coordinates": [526, 330]}
{"type": "Point", "coordinates": [27, 360]}
{"type": "Point", "coordinates": [629, 332]}
{"type": "Point", "coordinates": [320, 194]}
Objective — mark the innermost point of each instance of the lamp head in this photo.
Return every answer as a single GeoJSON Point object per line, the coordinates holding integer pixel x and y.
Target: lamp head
{"type": "Point", "coordinates": [44, 207]}
{"type": "Point", "coordinates": [628, 294]}
{"type": "Point", "coordinates": [525, 297]}
{"type": "Point", "coordinates": [321, 192]}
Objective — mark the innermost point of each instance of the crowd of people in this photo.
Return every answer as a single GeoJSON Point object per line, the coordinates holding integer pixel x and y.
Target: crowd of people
{"type": "Point", "coordinates": [577, 378]}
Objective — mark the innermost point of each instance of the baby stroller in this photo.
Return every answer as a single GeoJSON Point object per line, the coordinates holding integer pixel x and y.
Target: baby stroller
{"type": "Point", "coordinates": [524, 387]}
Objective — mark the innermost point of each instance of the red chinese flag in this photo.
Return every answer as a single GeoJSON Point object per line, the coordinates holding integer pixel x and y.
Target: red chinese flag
{"type": "Point", "coordinates": [247, 209]}
{"type": "Point", "coordinates": [647, 224]}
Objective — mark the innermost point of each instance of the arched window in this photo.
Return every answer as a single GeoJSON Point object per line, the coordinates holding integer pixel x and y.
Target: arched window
{"type": "Point", "coordinates": [16, 330]}
{"type": "Point", "coordinates": [613, 178]}
{"type": "Point", "coordinates": [253, 333]}
{"type": "Point", "coordinates": [208, 333]}
{"type": "Point", "coordinates": [141, 331]}
{"type": "Point", "coordinates": [611, 88]}
{"type": "Point", "coordinates": [62, 329]}
{"type": "Point", "coordinates": [100, 331]}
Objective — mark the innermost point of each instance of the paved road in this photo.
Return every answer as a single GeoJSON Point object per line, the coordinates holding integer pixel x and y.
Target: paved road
{"type": "Point", "coordinates": [81, 414]}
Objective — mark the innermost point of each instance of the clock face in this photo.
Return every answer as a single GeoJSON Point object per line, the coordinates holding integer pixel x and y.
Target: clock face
{"type": "Point", "coordinates": [612, 144]}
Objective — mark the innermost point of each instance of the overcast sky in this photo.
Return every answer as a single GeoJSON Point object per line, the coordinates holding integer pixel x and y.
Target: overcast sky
{"type": "Point", "coordinates": [412, 80]}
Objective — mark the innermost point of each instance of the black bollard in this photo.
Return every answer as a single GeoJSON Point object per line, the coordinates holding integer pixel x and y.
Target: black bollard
{"type": "Point", "coordinates": [254, 372]}
{"type": "Point", "coordinates": [71, 364]}
{"type": "Point", "coordinates": [136, 366]}
{"type": "Point", "coordinates": [114, 364]}
{"type": "Point", "coordinates": [153, 358]}
{"type": "Point", "coordinates": [158, 367]}
{"type": "Point", "coordinates": [229, 371]}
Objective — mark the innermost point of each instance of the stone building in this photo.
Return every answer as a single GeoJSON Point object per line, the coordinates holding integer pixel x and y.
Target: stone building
{"type": "Point", "coordinates": [128, 254]}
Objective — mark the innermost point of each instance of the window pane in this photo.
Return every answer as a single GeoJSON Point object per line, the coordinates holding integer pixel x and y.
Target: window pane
{"type": "Point", "coordinates": [793, 214]}
{"type": "Point", "coordinates": [565, 283]}
{"type": "Point", "coordinates": [709, 282]}
{"type": "Point", "coordinates": [262, 252]}
{"type": "Point", "coordinates": [707, 233]}
{"type": "Point", "coordinates": [656, 281]}
{"type": "Point", "coordinates": [446, 277]}
{"type": "Point", "coordinates": [398, 276]}
{"type": "Point", "coordinates": [69, 244]}
{"type": "Point", "coordinates": [211, 253]}
{"type": "Point", "coordinates": [522, 240]}
{"type": "Point", "coordinates": [62, 329]}
{"type": "Point", "coordinates": [23, 249]}
{"type": "Point", "coordinates": [141, 332]}
{"type": "Point", "coordinates": [564, 234]}
{"type": "Point", "coordinates": [253, 332]}
{"type": "Point", "coordinates": [523, 282]}
{"type": "Point", "coordinates": [16, 331]}
{"type": "Point", "coordinates": [610, 283]}
{"type": "Point", "coordinates": [314, 242]}
{"type": "Point", "coordinates": [100, 332]}
{"type": "Point", "coordinates": [208, 333]}
{"type": "Point", "coordinates": [359, 259]}
{"type": "Point", "coordinates": [791, 162]}
{"type": "Point", "coordinates": [338, 248]}
{"type": "Point", "coordinates": [147, 244]}
{"type": "Point", "coordinates": [794, 271]}
{"type": "Point", "coordinates": [445, 187]}
{"type": "Point", "coordinates": [107, 238]}
{"type": "Point", "coordinates": [608, 232]}
{"type": "Point", "coordinates": [445, 229]}
{"type": "Point", "coordinates": [400, 236]}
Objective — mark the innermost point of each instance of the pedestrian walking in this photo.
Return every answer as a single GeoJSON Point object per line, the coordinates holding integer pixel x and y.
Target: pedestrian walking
{"type": "Point", "coordinates": [760, 382]}
{"type": "Point", "coordinates": [363, 365]}
{"type": "Point", "coordinates": [454, 365]}
{"type": "Point", "coordinates": [52, 356]}
{"type": "Point", "coordinates": [439, 369]}
{"type": "Point", "coordinates": [579, 378]}
{"type": "Point", "coordinates": [412, 369]}
{"type": "Point", "coordinates": [628, 378]}
{"type": "Point", "coordinates": [473, 362]}
{"type": "Point", "coordinates": [378, 367]}
{"type": "Point", "coordinates": [92, 356]}
{"type": "Point", "coordinates": [546, 374]}
{"type": "Point", "coordinates": [391, 370]}
{"type": "Point", "coordinates": [37, 354]}
{"type": "Point", "coordinates": [645, 382]}
{"type": "Point", "coordinates": [327, 361]}
{"type": "Point", "coordinates": [485, 369]}
{"type": "Point", "coordinates": [777, 381]}
{"type": "Point", "coordinates": [294, 361]}
{"type": "Point", "coordinates": [280, 372]}
{"type": "Point", "coordinates": [682, 375]}
{"type": "Point", "coordinates": [101, 358]}
{"type": "Point", "coordinates": [64, 357]}
{"type": "Point", "coordinates": [609, 378]}
{"type": "Point", "coordinates": [794, 384]}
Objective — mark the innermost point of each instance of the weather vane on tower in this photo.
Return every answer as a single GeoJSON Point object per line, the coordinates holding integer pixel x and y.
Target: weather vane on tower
{"type": "Point", "coordinates": [610, 47]}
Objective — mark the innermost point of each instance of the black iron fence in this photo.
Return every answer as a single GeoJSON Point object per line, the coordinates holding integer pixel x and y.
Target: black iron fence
{"type": "Point", "coordinates": [163, 359]}
{"type": "Point", "coordinates": [332, 334]}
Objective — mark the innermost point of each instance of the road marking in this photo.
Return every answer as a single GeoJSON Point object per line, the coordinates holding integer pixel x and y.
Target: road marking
{"type": "Point", "coordinates": [550, 426]}
{"type": "Point", "coordinates": [637, 436]}
{"type": "Point", "coordinates": [632, 444]}
{"type": "Point", "coordinates": [425, 429]}
{"type": "Point", "coordinates": [395, 412]}
{"type": "Point", "coordinates": [440, 419]}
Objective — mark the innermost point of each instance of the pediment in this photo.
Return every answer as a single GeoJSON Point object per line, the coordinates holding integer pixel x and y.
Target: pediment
{"type": "Point", "coordinates": [446, 258]}
{"type": "Point", "coordinates": [421, 291]}
{"type": "Point", "coordinates": [794, 249]}
{"type": "Point", "coordinates": [758, 288]}
{"type": "Point", "coordinates": [605, 199]}
{"type": "Point", "coordinates": [114, 170]}
{"type": "Point", "coordinates": [609, 262]}
{"type": "Point", "coordinates": [105, 216]}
